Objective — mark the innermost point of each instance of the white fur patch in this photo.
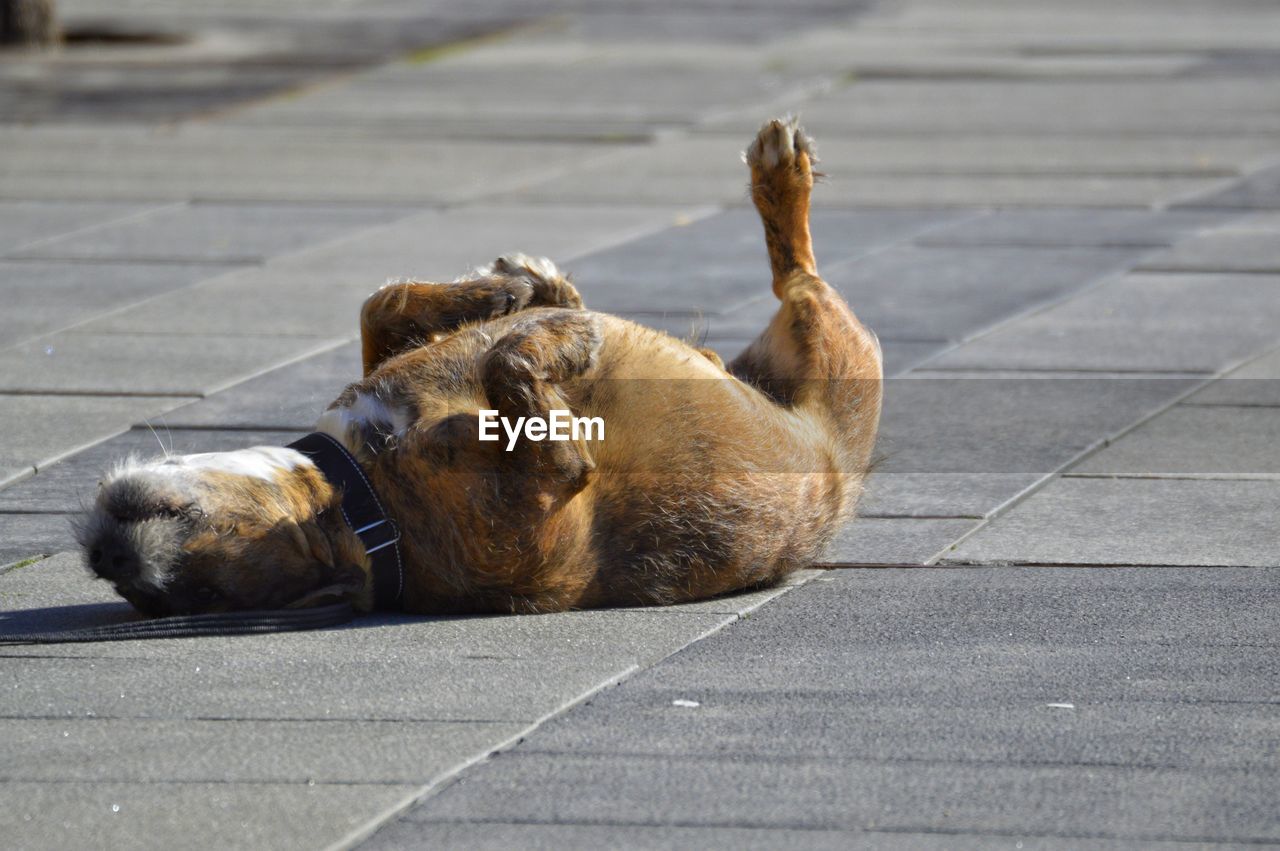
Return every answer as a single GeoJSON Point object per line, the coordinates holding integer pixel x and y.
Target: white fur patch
{"type": "Point", "coordinates": [367, 414]}
{"type": "Point", "coordinates": [260, 462]}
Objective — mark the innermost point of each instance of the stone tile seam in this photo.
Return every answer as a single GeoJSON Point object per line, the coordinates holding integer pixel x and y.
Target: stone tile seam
{"type": "Point", "coordinates": [1033, 565]}
{"type": "Point", "coordinates": [247, 719]}
{"type": "Point", "coordinates": [267, 265]}
{"type": "Point", "coordinates": [90, 228]}
{"type": "Point", "coordinates": [1178, 199]}
{"type": "Point", "coordinates": [540, 176]}
{"type": "Point", "coordinates": [231, 261]}
{"type": "Point", "coordinates": [1259, 166]}
{"type": "Point", "coordinates": [447, 778]}
{"type": "Point", "coordinates": [1122, 270]}
{"type": "Point", "coordinates": [757, 758]}
{"type": "Point", "coordinates": [1179, 477]}
{"type": "Point", "coordinates": [1205, 269]}
{"type": "Point", "coordinates": [1026, 493]}
{"type": "Point", "coordinates": [182, 400]}
{"type": "Point", "coordinates": [841, 831]}
{"type": "Point", "coordinates": [924, 231]}
{"type": "Point", "coordinates": [811, 827]}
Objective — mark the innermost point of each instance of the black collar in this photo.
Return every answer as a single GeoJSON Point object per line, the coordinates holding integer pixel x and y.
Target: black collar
{"type": "Point", "coordinates": [364, 514]}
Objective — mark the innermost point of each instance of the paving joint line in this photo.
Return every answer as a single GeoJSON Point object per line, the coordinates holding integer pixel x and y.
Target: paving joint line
{"type": "Point", "coordinates": [120, 220]}
{"type": "Point", "coordinates": [451, 776]}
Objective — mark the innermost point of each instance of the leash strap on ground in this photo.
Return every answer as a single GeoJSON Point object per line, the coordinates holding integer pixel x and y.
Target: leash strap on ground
{"type": "Point", "coordinates": [190, 626]}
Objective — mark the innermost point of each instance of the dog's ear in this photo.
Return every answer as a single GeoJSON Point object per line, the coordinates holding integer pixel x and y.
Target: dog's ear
{"type": "Point", "coordinates": [348, 585]}
{"type": "Point", "coordinates": [311, 542]}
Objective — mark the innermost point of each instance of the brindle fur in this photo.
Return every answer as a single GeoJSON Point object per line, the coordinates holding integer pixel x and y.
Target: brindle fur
{"type": "Point", "coordinates": [709, 479]}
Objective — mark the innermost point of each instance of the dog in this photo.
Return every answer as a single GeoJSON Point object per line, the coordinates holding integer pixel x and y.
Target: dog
{"type": "Point", "coordinates": [708, 479]}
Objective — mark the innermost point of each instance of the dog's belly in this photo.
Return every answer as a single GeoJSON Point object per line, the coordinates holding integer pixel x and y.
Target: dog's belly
{"type": "Point", "coordinates": [702, 485]}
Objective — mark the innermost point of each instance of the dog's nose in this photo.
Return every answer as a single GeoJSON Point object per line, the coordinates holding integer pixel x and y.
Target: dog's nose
{"type": "Point", "coordinates": [112, 558]}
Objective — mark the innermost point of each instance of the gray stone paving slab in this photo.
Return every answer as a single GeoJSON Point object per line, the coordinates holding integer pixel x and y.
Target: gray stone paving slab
{"type": "Point", "coordinates": [961, 447]}
{"type": "Point", "coordinates": [1260, 191]}
{"type": "Point", "coordinates": [1221, 251]}
{"type": "Point", "coordinates": [227, 232]}
{"type": "Point", "coordinates": [878, 540]}
{"type": "Point", "coordinates": [941, 494]}
{"type": "Point", "coordinates": [470, 669]}
{"type": "Point", "coordinates": [25, 536]}
{"type": "Point", "coordinates": [1189, 440]}
{"type": "Point", "coordinates": [900, 356]}
{"type": "Point", "coordinates": [168, 815]}
{"type": "Point", "coordinates": [1096, 108]}
{"type": "Point", "coordinates": [1138, 323]}
{"type": "Point", "coordinates": [319, 291]}
{"type": "Point", "coordinates": [70, 484]}
{"type": "Point", "coordinates": [38, 429]}
{"type": "Point", "coordinates": [226, 164]}
{"type": "Point", "coordinates": [846, 154]}
{"type": "Point", "coordinates": [838, 725]}
{"type": "Point", "coordinates": [703, 168]}
{"type": "Point", "coordinates": [291, 397]}
{"type": "Point", "coordinates": [1074, 228]}
{"type": "Point", "coordinates": [998, 799]}
{"type": "Point", "coordinates": [720, 261]}
{"type": "Point", "coordinates": [1134, 521]}
{"type": "Point", "coordinates": [852, 190]}
{"type": "Point", "coordinates": [950, 191]}
{"type": "Point", "coordinates": [937, 293]}
{"type": "Point", "coordinates": [83, 750]}
{"type": "Point", "coordinates": [259, 301]}
{"type": "Point", "coordinates": [441, 245]}
{"type": "Point", "coordinates": [26, 222]}
{"type": "Point", "coordinates": [1255, 383]}
{"type": "Point", "coordinates": [443, 99]}
{"type": "Point", "coordinates": [43, 296]}
{"type": "Point", "coordinates": [236, 168]}
{"type": "Point", "coordinates": [1025, 702]}
{"type": "Point", "coordinates": [162, 363]}
{"type": "Point", "coordinates": [971, 640]}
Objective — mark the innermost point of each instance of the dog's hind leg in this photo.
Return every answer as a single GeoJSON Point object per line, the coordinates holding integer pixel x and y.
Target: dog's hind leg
{"type": "Point", "coordinates": [401, 316]}
{"type": "Point", "coordinates": [815, 353]}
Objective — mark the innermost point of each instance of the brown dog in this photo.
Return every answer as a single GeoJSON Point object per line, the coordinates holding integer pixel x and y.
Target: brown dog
{"type": "Point", "coordinates": [707, 479]}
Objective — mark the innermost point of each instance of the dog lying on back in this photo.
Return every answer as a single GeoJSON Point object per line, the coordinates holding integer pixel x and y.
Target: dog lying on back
{"type": "Point", "coordinates": [708, 479]}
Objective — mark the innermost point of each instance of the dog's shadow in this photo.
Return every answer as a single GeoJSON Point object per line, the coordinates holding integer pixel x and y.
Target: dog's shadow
{"type": "Point", "coordinates": [59, 618]}
{"type": "Point", "coordinates": [78, 616]}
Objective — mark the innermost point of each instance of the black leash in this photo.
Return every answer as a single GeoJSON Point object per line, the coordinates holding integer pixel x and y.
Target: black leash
{"type": "Point", "coordinates": [189, 626]}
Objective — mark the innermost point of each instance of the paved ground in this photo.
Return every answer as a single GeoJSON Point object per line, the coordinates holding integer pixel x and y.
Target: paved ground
{"type": "Point", "coordinates": [1063, 219]}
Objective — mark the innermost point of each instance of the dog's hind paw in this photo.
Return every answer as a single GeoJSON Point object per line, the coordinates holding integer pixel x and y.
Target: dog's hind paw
{"type": "Point", "coordinates": [781, 151]}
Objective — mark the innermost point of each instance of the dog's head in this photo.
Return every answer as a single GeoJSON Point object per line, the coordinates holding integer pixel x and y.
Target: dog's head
{"type": "Point", "coordinates": [251, 529]}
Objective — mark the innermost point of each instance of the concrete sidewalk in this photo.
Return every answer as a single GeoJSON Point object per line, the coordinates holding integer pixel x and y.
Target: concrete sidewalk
{"type": "Point", "coordinates": [1062, 219]}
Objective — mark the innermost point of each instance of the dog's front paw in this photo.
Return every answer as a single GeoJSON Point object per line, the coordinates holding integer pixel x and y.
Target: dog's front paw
{"type": "Point", "coordinates": [550, 288]}
{"type": "Point", "coordinates": [504, 296]}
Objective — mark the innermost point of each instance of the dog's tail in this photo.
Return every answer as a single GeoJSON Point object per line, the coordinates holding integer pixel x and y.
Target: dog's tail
{"type": "Point", "coordinates": [781, 159]}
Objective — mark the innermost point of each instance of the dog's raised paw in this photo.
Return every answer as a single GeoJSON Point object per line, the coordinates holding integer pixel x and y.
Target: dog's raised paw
{"type": "Point", "coordinates": [781, 145]}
